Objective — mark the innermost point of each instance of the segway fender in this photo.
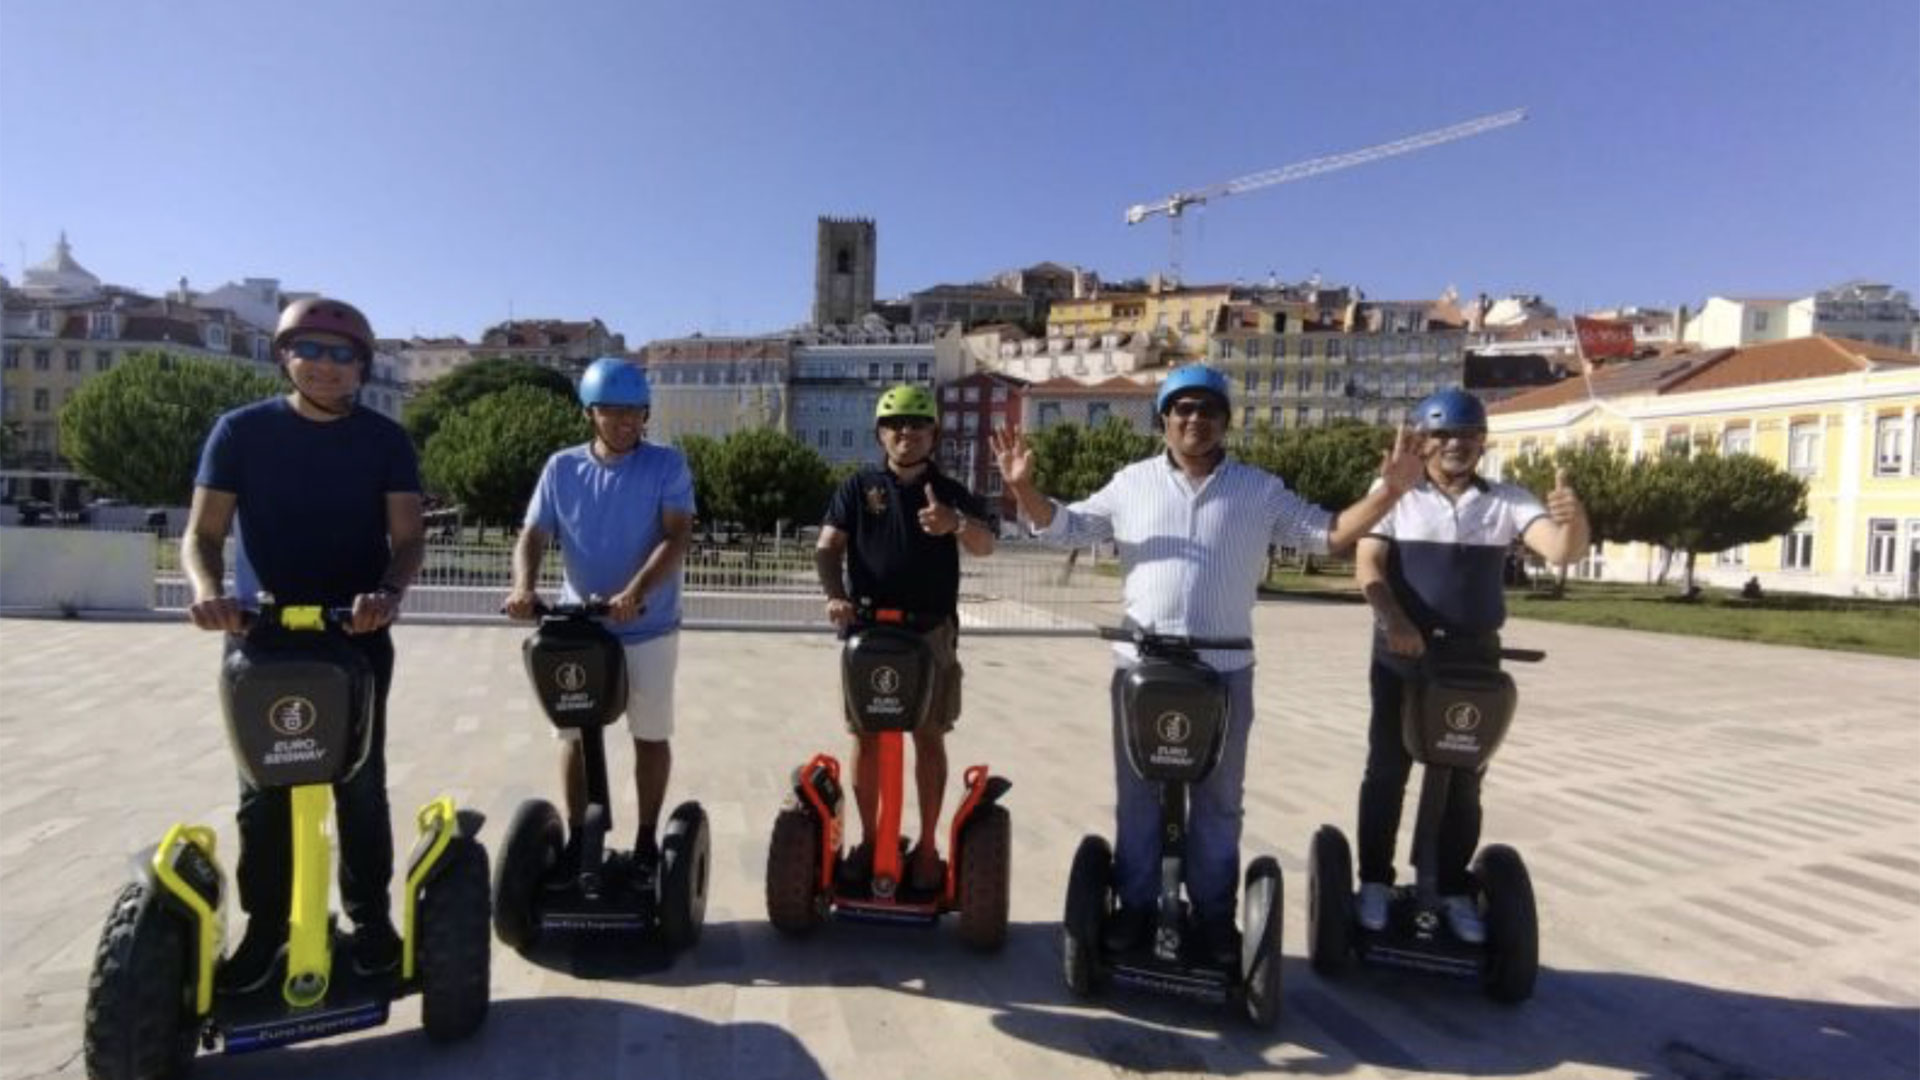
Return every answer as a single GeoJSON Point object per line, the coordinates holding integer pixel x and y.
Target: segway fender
{"type": "Point", "coordinates": [183, 872]}
{"type": "Point", "coordinates": [441, 826]}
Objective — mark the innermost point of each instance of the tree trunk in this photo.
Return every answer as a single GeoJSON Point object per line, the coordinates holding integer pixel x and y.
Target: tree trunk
{"type": "Point", "coordinates": [1691, 590]}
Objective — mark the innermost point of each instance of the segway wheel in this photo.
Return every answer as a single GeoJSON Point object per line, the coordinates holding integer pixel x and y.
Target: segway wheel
{"type": "Point", "coordinates": [986, 865]}
{"type": "Point", "coordinates": [1513, 929]}
{"type": "Point", "coordinates": [1263, 907]}
{"type": "Point", "coordinates": [1089, 902]}
{"type": "Point", "coordinates": [683, 876]}
{"type": "Point", "coordinates": [793, 872]}
{"type": "Point", "coordinates": [535, 839]}
{"type": "Point", "coordinates": [1330, 902]}
{"type": "Point", "coordinates": [453, 951]}
{"type": "Point", "coordinates": [139, 1020]}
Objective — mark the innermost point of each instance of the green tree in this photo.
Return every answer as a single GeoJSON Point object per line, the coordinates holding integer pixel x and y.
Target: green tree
{"type": "Point", "coordinates": [487, 455]}
{"type": "Point", "coordinates": [703, 455]}
{"type": "Point", "coordinates": [12, 440]}
{"type": "Point", "coordinates": [763, 477]}
{"type": "Point", "coordinates": [1602, 477]}
{"type": "Point", "coordinates": [1714, 502]}
{"type": "Point", "coordinates": [137, 429]}
{"type": "Point", "coordinates": [1330, 466]}
{"type": "Point", "coordinates": [464, 385]}
{"type": "Point", "coordinates": [1072, 462]}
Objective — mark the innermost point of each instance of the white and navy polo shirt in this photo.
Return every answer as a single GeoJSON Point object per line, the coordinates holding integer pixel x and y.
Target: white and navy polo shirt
{"type": "Point", "coordinates": [1446, 555]}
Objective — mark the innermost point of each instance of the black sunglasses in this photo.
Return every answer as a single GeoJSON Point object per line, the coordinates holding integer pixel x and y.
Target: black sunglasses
{"type": "Point", "coordinates": [316, 350]}
{"type": "Point", "coordinates": [1188, 408]}
{"type": "Point", "coordinates": [906, 423]}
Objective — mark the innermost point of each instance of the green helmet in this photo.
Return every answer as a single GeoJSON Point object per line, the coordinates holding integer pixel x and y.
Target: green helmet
{"type": "Point", "coordinates": [906, 401]}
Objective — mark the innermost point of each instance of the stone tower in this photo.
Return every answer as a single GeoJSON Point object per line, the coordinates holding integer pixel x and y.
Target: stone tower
{"type": "Point", "coordinates": [843, 270]}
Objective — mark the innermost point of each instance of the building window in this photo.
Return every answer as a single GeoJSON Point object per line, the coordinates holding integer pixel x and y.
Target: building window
{"type": "Point", "coordinates": [1331, 382]}
{"type": "Point", "coordinates": [100, 324]}
{"type": "Point", "coordinates": [846, 438]}
{"type": "Point", "coordinates": [950, 395]}
{"type": "Point", "coordinates": [999, 395]}
{"type": "Point", "coordinates": [1253, 381]}
{"type": "Point", "coordinates": [873, 372]}
{"type": "Point", "coordinates": [103, 360]}
{"type": "Point", "coordinates": [1803, 448]}
{"type": "Point", "coordinates": [950, 421]}
{"type": "Point", "coordinates": [1049, 414]}
{"type": "Point", "coordinates": [921, 370]}
{"type": "Point", "coordinates": [1736, 440]}
{"type": "Point", "coordinates": [216, 336]}
{"type": "Point", "coordinates": [1306, 380]}
{"type": "Point", "coordinates": [1097, 413]}
{"type": "Point", "coordinates": [1796, 548]}
{"type": "Point", "coordinates": [41, 400]}
{"type": "Point", "coordinates": [899, 370]}
{"type": "Point", "coordinates": [1733, 556]}
{"type": "Point", "coordinates": [823, 437]}
{"type": "Point", "coordinates": [12, 357]}
{"type": "Point", "coordinates": [1883, 536]}
{"type": "Point", "coordinates": [73, 359]}
{"type": "Point", "coordinates": [972, 395]}
{"type": "Point", "coordinates": [1759, 322]}
{"type": "Point", "coordinates": [43, 359]}
{"type": "Point", "coordinates": [1889, 446]}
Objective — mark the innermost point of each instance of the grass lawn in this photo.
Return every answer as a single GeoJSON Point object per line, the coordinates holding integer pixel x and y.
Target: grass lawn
{"type": "Point", "coordinates": [1817, 622]}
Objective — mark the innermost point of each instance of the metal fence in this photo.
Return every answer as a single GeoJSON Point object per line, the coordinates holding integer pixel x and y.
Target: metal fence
{"type": "Point", "coordinates": [1022, 589]}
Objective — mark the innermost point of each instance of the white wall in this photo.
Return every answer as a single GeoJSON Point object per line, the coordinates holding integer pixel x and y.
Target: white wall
{"type": "Point", "coordinates": [73, 569]}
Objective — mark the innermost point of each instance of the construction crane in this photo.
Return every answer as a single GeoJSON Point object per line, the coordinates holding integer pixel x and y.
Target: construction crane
{"type": "Point", "coordinates": [1175, 205]}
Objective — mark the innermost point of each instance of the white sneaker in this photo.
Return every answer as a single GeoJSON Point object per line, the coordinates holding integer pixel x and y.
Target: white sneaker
{"type": "Point", "coordinates": [1371, 909]}
{"type": "Point", "coordinates": [1463, 918]}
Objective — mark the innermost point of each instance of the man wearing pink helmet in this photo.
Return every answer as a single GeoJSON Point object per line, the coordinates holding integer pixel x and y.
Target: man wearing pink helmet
{"type": "Point", "coordinates": [326, 499]}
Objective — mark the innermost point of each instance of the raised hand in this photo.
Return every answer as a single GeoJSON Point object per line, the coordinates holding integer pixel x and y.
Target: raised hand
{"type": "Point", "coordinates": [1401, 466]}
{"type": "Point", "coordinates": [1012, 454]}
{"type": "Point", "coordinates": [937, 518]}
{"type": "Point", "coordinates": [1563, 506]}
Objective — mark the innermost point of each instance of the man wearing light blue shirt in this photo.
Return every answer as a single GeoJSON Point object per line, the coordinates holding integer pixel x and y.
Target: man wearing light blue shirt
{"type": "Point", "coordinates": [622, 509]}
{"type": "Point", "coordinates": [1193, 527]}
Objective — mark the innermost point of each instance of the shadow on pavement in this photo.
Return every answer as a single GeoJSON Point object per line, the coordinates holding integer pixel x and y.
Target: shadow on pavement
{"type": "Point", "coordinates": [1637, 1024]}
{"type": "Point", "coordinates": [539, 1038]}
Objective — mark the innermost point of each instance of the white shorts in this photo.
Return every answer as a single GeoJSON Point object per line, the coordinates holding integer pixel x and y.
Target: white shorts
{"type": "Point", "coordinates": [650, 669]}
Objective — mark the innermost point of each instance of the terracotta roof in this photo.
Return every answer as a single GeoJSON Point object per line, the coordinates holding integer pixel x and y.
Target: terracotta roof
{"type": "Point", "coordinates": [1614, 380]}
{"type": "Point", "coordinates": [1794, 358]}
{"type": "Point", "coordinates": [1061, 386]}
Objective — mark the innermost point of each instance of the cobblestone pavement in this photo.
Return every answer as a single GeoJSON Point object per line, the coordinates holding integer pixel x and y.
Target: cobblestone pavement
{"type": "Point", "coordinates": [1725, 840]}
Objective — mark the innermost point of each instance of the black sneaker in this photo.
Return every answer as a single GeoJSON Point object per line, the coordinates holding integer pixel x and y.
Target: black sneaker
{"type": "Point", "coordinates": [1217, 942]}
{"type": "Point", "coordinates": [646, 860]}
{"type": "Point", "coordinates": [253, 964]}
{"type": "Point", "coordinates": [1126, 929]}
{"type": "Point", "coordinates": [566, 868]}
{"type": "Point", "coordinates": [376, 948]}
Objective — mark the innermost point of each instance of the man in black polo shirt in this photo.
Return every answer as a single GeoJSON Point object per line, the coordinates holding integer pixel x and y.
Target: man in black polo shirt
{"type": "Point", "coordinates": [892, 540]}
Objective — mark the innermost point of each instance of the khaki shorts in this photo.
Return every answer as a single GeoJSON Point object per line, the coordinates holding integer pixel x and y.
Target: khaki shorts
{"type": "Point", "coordinates": [944, 710]}
{"type": "Point", "coordinates": [650, 669]}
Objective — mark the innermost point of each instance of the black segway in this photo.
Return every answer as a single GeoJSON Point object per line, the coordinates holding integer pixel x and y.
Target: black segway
{"type": "Point", "coordinates": [579, 673]}
{"type": "Point", "coordinates": [1174, 715]}
{"type": "Point", "coordinates": [1455, 712]}
{"type": "Point", "coordinates": [299, 711]}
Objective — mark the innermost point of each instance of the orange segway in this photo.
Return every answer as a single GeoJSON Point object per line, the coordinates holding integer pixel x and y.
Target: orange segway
{"type": "Point", "coordinates": [887, 673]}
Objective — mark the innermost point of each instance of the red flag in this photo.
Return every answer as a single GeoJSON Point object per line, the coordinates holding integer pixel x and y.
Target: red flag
{"type": "Point", "coordinates": [1603, 339]}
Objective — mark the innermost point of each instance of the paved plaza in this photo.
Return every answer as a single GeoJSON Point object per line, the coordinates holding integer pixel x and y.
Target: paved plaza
{"type": "Point", "coordinates": [1724, 838]}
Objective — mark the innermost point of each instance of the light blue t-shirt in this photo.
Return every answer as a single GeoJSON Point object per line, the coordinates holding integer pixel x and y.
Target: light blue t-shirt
{"type": "Point", "coordinates": [607, 519]}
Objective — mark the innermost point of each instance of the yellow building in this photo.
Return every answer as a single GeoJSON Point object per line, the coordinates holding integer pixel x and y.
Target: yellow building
{"type": "Point", "coordinates": [1845, 415]}
{"type": "Point", "coordinates": [1184, 318]}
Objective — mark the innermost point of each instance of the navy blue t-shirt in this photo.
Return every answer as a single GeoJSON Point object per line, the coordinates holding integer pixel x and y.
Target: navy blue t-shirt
{"type": "Point", "coordinates": [891, 561]}
{"type": "Point", "coordinates": [311, 498]}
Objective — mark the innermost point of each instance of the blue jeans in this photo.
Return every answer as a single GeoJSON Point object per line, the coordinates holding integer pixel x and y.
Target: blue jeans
{"type": "Point", "coordinates": [1215, 807]}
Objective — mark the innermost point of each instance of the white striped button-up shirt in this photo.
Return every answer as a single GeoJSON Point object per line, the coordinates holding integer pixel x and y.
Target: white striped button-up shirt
{"type": "Point", "coordinates": [1192, 553]}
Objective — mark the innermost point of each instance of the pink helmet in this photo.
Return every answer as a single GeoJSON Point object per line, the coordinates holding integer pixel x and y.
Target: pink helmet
{"type": "Point", "coordinates": [329, 316]}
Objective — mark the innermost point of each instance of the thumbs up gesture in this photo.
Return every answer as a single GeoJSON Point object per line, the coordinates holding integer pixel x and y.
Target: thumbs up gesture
{"type": "Point", "coordinates": [1563, 506]}
{"type": "Point", "coordinates": [937, 518]}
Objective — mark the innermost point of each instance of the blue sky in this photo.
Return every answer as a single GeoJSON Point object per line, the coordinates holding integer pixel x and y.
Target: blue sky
{"type": "Point", "coordinates": [660, 165]}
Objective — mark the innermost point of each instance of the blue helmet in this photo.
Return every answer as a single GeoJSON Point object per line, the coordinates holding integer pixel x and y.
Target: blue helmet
{"type": "Point", "coordinates": [1191, 377]}
{"type": "Point", "coordinates": [1450, 410]}
{"type": "Point", "coordinates": [613, 381]}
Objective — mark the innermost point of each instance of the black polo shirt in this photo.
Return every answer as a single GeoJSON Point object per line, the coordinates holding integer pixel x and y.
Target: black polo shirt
{"type": "Point", "coordinates": [891, 561]}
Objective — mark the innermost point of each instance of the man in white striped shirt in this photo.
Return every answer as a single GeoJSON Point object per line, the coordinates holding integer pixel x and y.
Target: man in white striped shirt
{"type": "Point", "coordinates": [1193, 527]}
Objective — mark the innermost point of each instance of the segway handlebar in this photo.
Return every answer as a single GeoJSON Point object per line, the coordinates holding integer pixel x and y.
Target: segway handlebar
{"type": "Point", "coordinates": [1524, 656]}
{"type": "Point", "coordinates": [583, 609]}
{"type": "Point", "coordinates": [298, 617]}
{"type": "Point", "coordinates": [1148, 639]}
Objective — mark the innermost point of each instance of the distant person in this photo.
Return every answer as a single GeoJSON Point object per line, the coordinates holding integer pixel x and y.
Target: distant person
{"type": "Point", "coordinates": [892, 540]}
{"type": "Point", "coordinates": [1433, 563]}
{"type": "Point", "coordinates": [326, 496]}
{"type": "Point", "coordinates": [622, 510]}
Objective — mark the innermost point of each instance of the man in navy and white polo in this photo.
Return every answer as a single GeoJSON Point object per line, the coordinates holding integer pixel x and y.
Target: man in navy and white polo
{"type": "Point", "coordinates": [1435, 563]}
{"type": "Point", "coordinates": [1193, 527]}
